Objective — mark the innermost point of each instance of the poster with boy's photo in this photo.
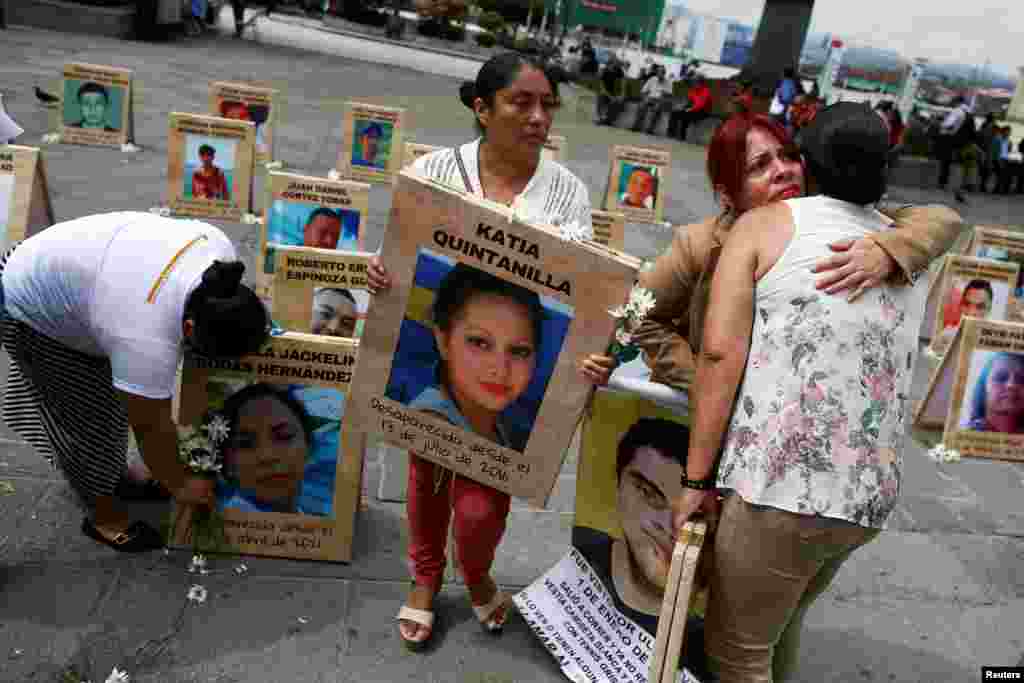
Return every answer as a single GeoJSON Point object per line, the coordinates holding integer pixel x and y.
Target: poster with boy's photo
{"type": "Point", "coordinates": [1003, 245]}
{"type": "Point", "coordinates": [371, 142]}
{"type": "Point", "coordinates": [638, 183]}
{"type": "Point", "coordinates": [96, 105]}
{"type": "Point", "coordinates": [320, 291]}
{"type": "Point", "coordinates": [555, 149]}
{"type": "Point", "coordinates": [307, 211]}
{"type": "Point", "coordinates": [414, 150]}
{"type": "Point", "coordinates": [249, 102]}
{"type": "Point", "coordinates": [210, 166]}
{"type": "Point", "coordinates": [632, 458]}
{"type": "Point", "coordinates": [469, 360]}
{"type": "Point", "coordinates": [971, 287]}
{"type": "Point", "coordinates": [986, 414]}
{"type": "Point", "coordinates": [288, 487]}
{"type": "Point", "coordinates": [25, 207]}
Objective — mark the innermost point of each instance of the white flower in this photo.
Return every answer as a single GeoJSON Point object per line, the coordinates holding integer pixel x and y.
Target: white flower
{"type": "Point", "coordinates": [272, 165]}
{"type": "Point", "coordinates": [952, 455]}
{"type": "Point", "coordinates": [619, 312]}
{"type": "Point", "coordinates": [333, 174]}
{"type": "Point", "coordinates": [117, 676]}
{"type": "Point", "coordinates": [641, 300]}
{"type": "Point", "coordinates": [303, 620]}
{"type": "Point", "coordinates": [198, 564]}
{"type": "Point", "coordinates": [251, 219]}
{"type": "Point", "coordinates": [197, 594]}
{"type": "Point", "coordinates": [129, 148]}
{"type": "Point", "coordinates": [51, 138]}
{"type": "Point", "coordinates": [241, 568]}
{"type": "Point", "coordinates": [218, 429]}
{"type": "Point", "coordinates": [623, 337]}
{"type": "Point", "coordinates": [574, 231]}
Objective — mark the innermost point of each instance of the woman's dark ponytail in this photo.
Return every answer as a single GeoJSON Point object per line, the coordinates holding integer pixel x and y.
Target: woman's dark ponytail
{"type": "Point", "coordinates": [228, 319]}
{"type": "Point", "coordinates": [222, 278]}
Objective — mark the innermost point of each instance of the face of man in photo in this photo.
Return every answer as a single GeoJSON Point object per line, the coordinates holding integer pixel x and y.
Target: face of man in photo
{"type": "Point", "coordinates": [322, 232]}
{"type": "Point", "coordinates": [647, 486]}
{"type": "Point", "coordinates": [93, 106]}
{"type": "Point", "coordinates": [371, 144]}
{"type": "Point", "coordinates": [639, 187]}
{"type": "Point", "coordinates": [976, 303]}
{"type": "Point", "coordinates": [207, 159]}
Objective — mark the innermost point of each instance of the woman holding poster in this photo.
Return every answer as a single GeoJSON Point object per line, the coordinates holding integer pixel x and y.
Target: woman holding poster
{"type": "Point", "coordinates": [514, 102]}
{"type": "Point", "coordinates": [752, 162]}
{"type": "Point", "coordinates": [95, 313]}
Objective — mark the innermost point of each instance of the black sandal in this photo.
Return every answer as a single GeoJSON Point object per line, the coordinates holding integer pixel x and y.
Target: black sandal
{"type": "Point", "coordinates": [132, 489]}
{"type": "Point", "coordinates": [138, 538]}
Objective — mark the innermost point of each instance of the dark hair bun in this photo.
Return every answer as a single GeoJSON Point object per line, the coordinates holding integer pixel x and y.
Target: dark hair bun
{"type": "Point", "coordinates": [221, 278]}
{"type": "Point", "coordinates": [467, 93]}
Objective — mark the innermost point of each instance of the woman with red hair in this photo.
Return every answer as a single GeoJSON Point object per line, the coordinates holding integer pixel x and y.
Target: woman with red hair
{"type": "Point", "coordinates": [752, 162]}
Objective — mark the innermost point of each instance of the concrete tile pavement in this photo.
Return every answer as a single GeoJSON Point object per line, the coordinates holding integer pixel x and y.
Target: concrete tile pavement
{"type": "Point", "coordinates": [931, 601]}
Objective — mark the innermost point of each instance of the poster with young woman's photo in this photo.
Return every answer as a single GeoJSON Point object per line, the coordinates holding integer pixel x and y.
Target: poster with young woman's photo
{"type": "Point", "coordinates": [210, 166]}
{"type": "Point", "coordinates": [1003, 245]}
{"type": "Point", "coordinates": [320, 291]}
{"type": "Point", "coordinates": [371, 142]}
{"type": "Point", "coordinates": [25, 207]}
{"type": "Point", "coordinates": [248, 102]}
{"type": "Point", "coordinates": [986, 416]}
{"type": "Point", "coordinates": [972, 287]}
{"type": "Point", "coordinates": [637, 182]}
{"type": "Point", "coordinates": [307, 211]}
{"type": "Point", "coordinates": [632, 457]}
{"type": "Point", "coordinates": [96, 105]}
{"type": "Point", "coordinates": [469, 360]}
{"type": "Point", "coordinates": [287, 486]}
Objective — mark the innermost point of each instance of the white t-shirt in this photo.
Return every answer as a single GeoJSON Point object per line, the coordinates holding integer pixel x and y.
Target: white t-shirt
{"type": "Point", "coordinates": [553, 196]}
{"type": "Point", "coordinates": [93, 285]}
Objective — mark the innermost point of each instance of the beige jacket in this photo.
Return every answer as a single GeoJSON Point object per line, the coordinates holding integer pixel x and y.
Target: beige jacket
{"type": "Point", "coordinates": [681, 281]}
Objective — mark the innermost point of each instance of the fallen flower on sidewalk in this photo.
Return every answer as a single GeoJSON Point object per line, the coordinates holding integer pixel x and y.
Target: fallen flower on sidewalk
{"type": "Point", "coordinates": [197, 594]}
{"type": "Point", "coordinates": [129, 148]}
{"type": "Point", "coordinates": [241, 568]}
{"type": "Point", "coordinates": [6, 488]}
{"type": "Point", "coordinates": [333, 174]}
{"type": "Point", "coordinates": [117, 676]}
{"type": "Point", "coordinates": [198, 564]}
{"type": "Point", "coordinates": [51, 138]}
{"type": "Point", "coordinates": [942, 454]}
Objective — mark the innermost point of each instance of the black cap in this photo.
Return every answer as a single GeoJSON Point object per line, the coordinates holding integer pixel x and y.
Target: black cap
{"type": "Point", "coordinates": [846, 134]}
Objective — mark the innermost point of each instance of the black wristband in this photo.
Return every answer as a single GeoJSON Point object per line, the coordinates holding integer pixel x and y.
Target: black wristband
{"type": "Point", "coordinates": [698, 484]}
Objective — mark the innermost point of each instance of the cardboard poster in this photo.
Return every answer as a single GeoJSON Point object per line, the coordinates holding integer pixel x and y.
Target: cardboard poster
{"type": "Point", "coordinates": [320, 291]}
{"type": "Point", "coordinates": [24, 195]}
{"type": "Point", "coordinates": [537, 304]}
{"type": "Point", "coordinates": [371, 142]}
{"type": "Point", "coordinates": [975, 287]}
{"type": "Point", "coordinates": [986, 414]}
{"type": "Point", "coordinates": [209, 166]}
{"type": "Point", "coordinates": [414, 150]}
{"type": "Point", "coordinates": [306, 211]}
{"type": "Point", "coordinates": [248, 102]}
{"type": "Point", "coordinates": [97, 106]}
{"type": "Point", "coordinates": [290, 484]}
{"type": "Point", "coordinates": [554, 149]}
{"type": "Point", "coordinates": [609, 229]}
{"type": "Point", "coordinates": [598, 611]}
{"type": "Point", "coordinates": [1002, 245]}
{"type": "Point", "coordinates": [638, 182]}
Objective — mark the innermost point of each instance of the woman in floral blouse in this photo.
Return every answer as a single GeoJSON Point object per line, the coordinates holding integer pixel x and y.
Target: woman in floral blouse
{"type": "Point", "coordinates": [811, 457]}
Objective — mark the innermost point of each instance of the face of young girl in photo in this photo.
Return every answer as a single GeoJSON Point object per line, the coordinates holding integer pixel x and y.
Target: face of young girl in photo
{"type": "Point", "coordinates": [268, 450]}
{"type": "Point", "coordinates": [489, 352]}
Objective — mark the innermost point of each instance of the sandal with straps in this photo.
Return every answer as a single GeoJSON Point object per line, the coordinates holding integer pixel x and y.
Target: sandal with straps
{"type": "Point", "coordinates": [485, 614]}
{"type": "Point", "coordinates": [421, 617]}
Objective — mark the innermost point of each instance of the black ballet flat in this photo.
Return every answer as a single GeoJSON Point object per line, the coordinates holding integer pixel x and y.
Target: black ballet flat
{"type": "Point", "coordinates": [150, 489]}
{"type": "Point", "coordinates": [138, 538]}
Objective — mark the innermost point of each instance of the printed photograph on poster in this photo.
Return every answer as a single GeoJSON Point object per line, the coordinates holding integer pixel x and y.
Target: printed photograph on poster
{"type": "Point", "coordinates": [972, 287]}
{"type": "Point", "coordinates": [470, 358]}
{"type": "Point", "coordinates": [320, 291]}
{"type": "Point", "coordinates": [95, 105]}
{"type": "Point", "coordinates": [414, 150]}
{"type": "Point", "coordinates": [25, 206]}
{"type": "Point", "coordinates": [637, 182]}
{"type": "Point", "coordinates": [282, 460]}
{"type": "Point", "coordinates": [1003, 245]}
{"type": "Point", "coordinates": [247, 102]}
{"type": "Point", "coordinates": [986, 417]}
{"type": "Point", "coordinates": [629, 473]}
{"type": "Point", "coordinates": [473, 340]}
{"type": "Point", "coordinates": [209, 166]}
{"type": "Point", "coordinates": [372, 146]}
{"type": "Point", "coordinates": [554, 149]}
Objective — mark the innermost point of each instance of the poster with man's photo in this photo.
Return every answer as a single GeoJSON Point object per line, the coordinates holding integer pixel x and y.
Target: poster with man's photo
{"type": "Point", "coordinates": [288, 486]}
{"type": "Point", "coordinates": [210, 166]}
{"type": "Point", "coordinates": [320, 291]}
{"type": "Point", "coordinates": [638, 182]}
{"type": "Point", "coordinates": [306, 211]}
{"type": "Point", "coordinates": [371, 142]}
{"type": "Point", "coordinates": [469, 360]}
{"type": "Point", "coordinates": [597, 610]}
{"type": "Point", "coordinates": [249, 102]}
{"type": "Point", "coordinates": [1002, 245]}
{"type": "Point", "coordinates": [25, 207]}
{"type": "Point", "coordinates": [986, 412]}
{"type": "Point", "coordinates": [971, 287]}
{"type": "Point", "coordinates": [96, 106]}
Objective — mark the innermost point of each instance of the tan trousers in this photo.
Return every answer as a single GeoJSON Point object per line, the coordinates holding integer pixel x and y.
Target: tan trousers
{"type": "Point", "coordinates": [769, 567]}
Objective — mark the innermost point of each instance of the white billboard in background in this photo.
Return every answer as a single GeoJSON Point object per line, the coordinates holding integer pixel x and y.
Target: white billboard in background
{"type": "Point", "coordinates": [710, 40]}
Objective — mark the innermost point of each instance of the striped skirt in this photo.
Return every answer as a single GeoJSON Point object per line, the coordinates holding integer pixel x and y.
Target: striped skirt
{"type": "Point", "coordinates": [63, 403]}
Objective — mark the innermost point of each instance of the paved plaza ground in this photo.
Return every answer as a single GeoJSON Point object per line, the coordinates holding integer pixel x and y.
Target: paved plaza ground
{"type": "Point", "coordinates": [934, 599]}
